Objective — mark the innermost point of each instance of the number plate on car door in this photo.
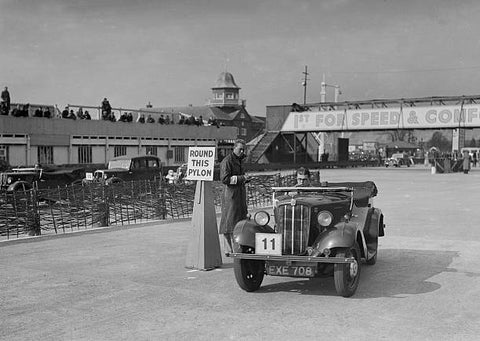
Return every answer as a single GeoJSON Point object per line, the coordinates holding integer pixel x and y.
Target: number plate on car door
{"type": "Point", "coordinates": [268, 243]}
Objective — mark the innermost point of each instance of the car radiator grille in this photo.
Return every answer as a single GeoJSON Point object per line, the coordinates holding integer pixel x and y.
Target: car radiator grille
{"type": "Point", "coordinates": [294, 225]}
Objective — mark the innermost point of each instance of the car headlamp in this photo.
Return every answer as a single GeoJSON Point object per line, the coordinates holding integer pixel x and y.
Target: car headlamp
{"type": "Point", "coordinates": [262, 218]}
{"type": "Point", "coordinates": [324, 218]}
{"type": "Point", "coordinates": [9, 180]}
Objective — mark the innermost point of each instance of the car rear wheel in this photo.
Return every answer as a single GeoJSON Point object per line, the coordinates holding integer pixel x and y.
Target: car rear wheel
{"type": "Point", "coordinates": [347, 276]}
{"type": "Point", "coordinates": [249, 273]}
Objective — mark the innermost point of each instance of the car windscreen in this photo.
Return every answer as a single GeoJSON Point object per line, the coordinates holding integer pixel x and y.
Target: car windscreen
{"type": "Point", "coordinates": [125, 164]}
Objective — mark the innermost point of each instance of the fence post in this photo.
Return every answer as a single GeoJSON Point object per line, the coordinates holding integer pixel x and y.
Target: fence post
{"type": "Point", "coordinates": [103, 210]}
{"type": "Point", "coordinates": [34, 228]}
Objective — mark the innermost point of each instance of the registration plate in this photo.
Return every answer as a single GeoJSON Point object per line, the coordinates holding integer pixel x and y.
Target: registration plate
{"type": "Point", "coordinates": [291, 270]}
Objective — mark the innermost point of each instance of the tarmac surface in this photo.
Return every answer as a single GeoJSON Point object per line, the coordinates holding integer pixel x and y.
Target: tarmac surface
{"type": "Point", "coordinates": [131, 283]}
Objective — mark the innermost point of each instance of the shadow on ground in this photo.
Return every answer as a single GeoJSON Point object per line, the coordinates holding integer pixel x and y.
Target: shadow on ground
{"type": "Point", "coordinates": [398, 272]}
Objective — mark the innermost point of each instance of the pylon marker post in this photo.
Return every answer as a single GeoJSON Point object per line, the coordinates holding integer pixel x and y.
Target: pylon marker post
{"type": "Point", "coordinates": [203, 251]}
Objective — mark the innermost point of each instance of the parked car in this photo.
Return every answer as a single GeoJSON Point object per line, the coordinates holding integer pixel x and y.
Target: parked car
{"type": "Point", "coordinates": [317, 232]}
{"type": "Point", "coordinates": [40, 177]}
{"type": "Point", "coordinates": [398, 159]}
{"type": "Point", "coordinates": [127, 168]}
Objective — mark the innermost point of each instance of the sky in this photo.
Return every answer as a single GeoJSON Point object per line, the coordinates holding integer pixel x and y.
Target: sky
{"type": "Point", "coordinates": [170, 52]}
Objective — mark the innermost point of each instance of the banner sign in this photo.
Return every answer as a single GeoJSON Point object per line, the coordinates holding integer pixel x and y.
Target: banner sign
{"type": "Point", "coordinates": [433, 117]}
{"type": "Point", "coordinates": [201, 161]}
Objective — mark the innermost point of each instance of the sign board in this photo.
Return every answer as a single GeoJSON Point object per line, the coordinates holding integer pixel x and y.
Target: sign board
{"type": "Point", "coordinates": [434, 117]}
{"type": "Point", "coordinates": [201, 161]}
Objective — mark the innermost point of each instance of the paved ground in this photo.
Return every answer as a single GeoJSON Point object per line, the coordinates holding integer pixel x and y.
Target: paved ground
{"type": "Point", "coordinates": [131, 284]}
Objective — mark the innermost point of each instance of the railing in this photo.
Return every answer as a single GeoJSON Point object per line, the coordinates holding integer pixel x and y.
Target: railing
{"type": "Point", "coordinates": [73, 208]}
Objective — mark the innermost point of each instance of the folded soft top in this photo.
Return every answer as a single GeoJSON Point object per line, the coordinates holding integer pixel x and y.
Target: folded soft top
{"type": "Point", "coordinates": [362, 191]}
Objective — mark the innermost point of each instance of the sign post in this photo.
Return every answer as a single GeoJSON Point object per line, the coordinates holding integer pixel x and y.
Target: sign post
{"type": "Point", "coordinates": [203, 251]}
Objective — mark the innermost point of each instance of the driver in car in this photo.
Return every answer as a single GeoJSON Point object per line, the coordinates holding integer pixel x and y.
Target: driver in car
{"type": "Point", "coordinates": [303, 177]}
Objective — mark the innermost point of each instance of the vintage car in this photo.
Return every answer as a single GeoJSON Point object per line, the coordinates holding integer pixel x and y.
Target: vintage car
{"type": "Point", "coordinates": [40, 177]}
{"type": "Point", "coordinates": [397, 160]}
{"type": "Point", "coordinates": [127, 168]}
{"type": "Point", "coordinates": [318, 232]}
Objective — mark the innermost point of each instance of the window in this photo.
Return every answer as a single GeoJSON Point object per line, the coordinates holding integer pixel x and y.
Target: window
{"type": "Point", "coordinates": [45, 155]}
{"type": "Point", "coordinates": [243, 132]}
{"type": "Point", "coordinates": [151, 163]}
{"type": "Point", "coordinates": [119, 151]}
{"type": "Point", "coordinates": [229, 96]}
{"type": "Point", "coordinates": [151, 150]}
{"type": "Point", "coordinates": [179, 154]}
{"type": "Point", "coordinates": [4, 153]}
{"type": "Point", "coordinates": [85, 154]}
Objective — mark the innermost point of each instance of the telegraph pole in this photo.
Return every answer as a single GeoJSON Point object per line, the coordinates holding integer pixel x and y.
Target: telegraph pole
{"type": "Point", "coordinates": [304, 83]}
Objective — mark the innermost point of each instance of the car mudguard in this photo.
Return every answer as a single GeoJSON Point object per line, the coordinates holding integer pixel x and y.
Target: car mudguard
{"type": "Point", "coordinates": [375, 229]}
{"type": "Point", "coordinates": [244, 232]}
{"type": "Point", "coordinates": [343, 235]}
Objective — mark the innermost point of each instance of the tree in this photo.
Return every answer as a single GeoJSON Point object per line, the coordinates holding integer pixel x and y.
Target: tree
{"type": "Point", "coordinates": [441, 142]}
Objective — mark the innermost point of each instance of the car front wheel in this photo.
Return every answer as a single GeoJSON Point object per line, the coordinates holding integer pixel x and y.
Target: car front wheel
{"type": "Point", "coordinates": [347, 275]}
{"type": "Point", "coordinates": [249, 273]}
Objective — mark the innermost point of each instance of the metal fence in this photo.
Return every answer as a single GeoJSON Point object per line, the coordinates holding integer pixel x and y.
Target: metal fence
{"type": "Point", "coordinates": [73, 208]}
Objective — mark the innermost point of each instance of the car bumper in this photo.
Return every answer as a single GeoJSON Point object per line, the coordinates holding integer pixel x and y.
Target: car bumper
{"type": "Point", "coordinates": [290, 259]}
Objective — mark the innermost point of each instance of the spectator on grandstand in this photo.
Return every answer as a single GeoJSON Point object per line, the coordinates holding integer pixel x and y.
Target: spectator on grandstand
{"type": "Point", "coordinates": [65, 113]}
{"type": "Point", "coordinates": [80, 113]}
{"type": "Point", "coordinates": [106, 109]}
{"type": "Point", "coordinates": [21, 110]}
{"type": "Point", "coordinates": [71, 115]}
{"type": "Point", "coordinates": [111, 117]}
{"type": "Point", "coordinates": [167, 119]}
{"type": "Point", "coordinates": [86, 115]}
{"type": "Point", "coordinates": [5, 101]}
{"type": "Point", "coordinates": [38, 112]}
{"type": "Point", "coordinates": [129, 117]}
{"type": "Point", "coordinates": [141, 119]}
{"type": "Point", "coordinates": [123, 117]}
{"type": "Point", "coordinates": [161, 119]}
{"type": "Point", "coordinates": [150, 119]}
{"type": "Point", "coordinates": [191, 120]}
{"type": "Point", "coordinates": [200, 121]}
{"type": "Point", "coordinates": [3, 109]}
{"type": "Point", "coordinates": [182, 120]}
{"type": "Point", "coordinates": [212, 121]}
{"type": "Point", "coordinates": [47, 113]}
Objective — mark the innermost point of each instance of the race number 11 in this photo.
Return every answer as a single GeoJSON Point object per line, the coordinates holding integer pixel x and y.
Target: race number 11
{"type": "Point", "coordinates": [268, 243]}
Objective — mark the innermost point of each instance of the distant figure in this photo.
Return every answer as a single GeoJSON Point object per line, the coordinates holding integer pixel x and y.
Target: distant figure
{"type": "Point", "coordinates": [47, 113]}
{"type": "Point", "coordinates": [150, 119]}
{"type": "Point", "coordinates": [80, 113]}
{"type": "Point", "coordinates": [71, 115]}
{"type": "Point", "coordinates": [167, 119]}
{"type": "Point", "coordinates": [129, 117]}
{"type": "Point", "coordinates": [161, 119]}
{"type": "Point", "coordinates": [5, 101]}
{"type": "Point", "coordinates": [86, 115]}
{"type": "Point", "coordinates": [141, 119]}
{"type": "Point", "coordinates": [475, 159]}
{"type": "Point", "coordinates": [170, 176]}
{"type": "Point", "coordinates": [38, 112]}
{"type": "Point", "coordinates": [65, 113]}
{"type": "Point", "coordinates": [106, 109]}
{"type": "Point", "coordinates": [182, 120]}
{"type": "Point", "coordinates": [466, 162]}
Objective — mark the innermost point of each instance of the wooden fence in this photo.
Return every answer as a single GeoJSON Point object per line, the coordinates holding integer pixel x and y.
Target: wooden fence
{"type": "Point", "coordinates": [73, 208]}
